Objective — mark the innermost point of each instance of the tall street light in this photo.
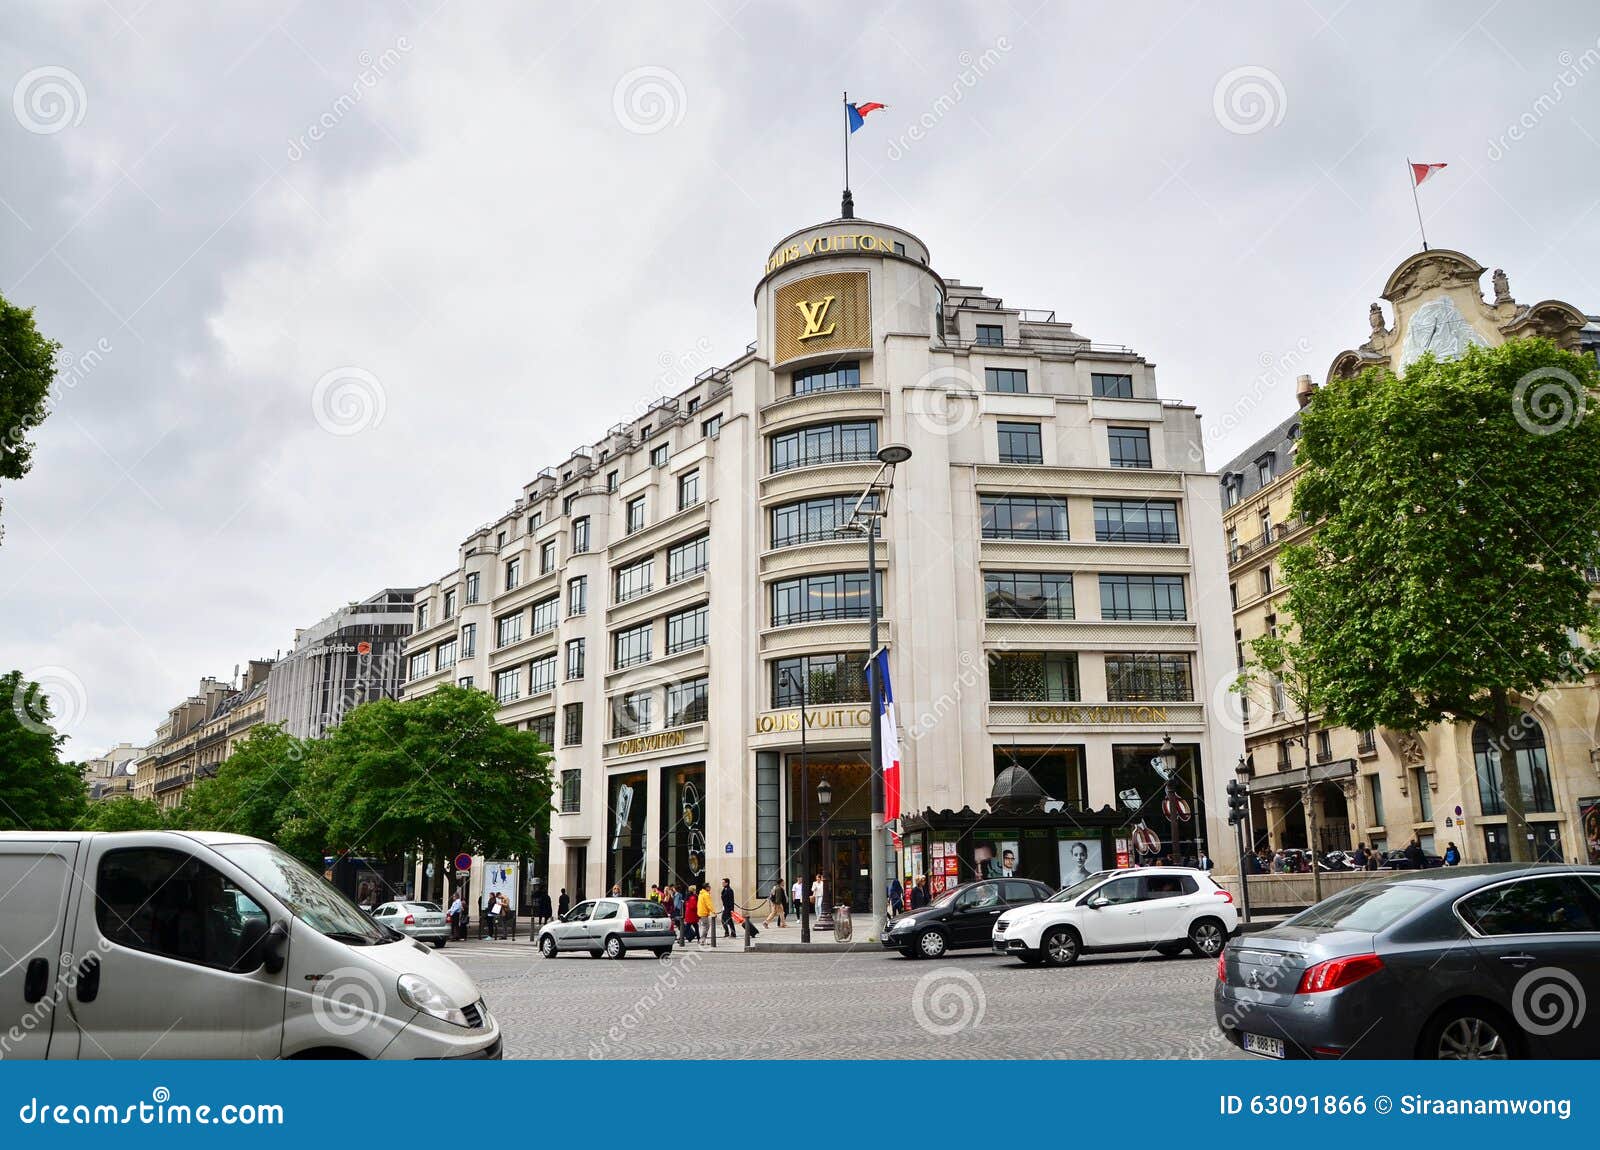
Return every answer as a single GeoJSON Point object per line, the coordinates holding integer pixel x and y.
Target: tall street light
{"type": "Point", "coordinates": [805, 798]}
{"type": "Point", "coordinates": [1168, 754]}
{"type": "Point", "coordinates": [825, 912]}
{"type": "Point", "coordinates": [889, 456]}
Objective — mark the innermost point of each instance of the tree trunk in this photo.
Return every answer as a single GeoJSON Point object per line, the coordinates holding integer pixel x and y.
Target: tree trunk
{"type": "Point", "coordinates": [1503, 747]}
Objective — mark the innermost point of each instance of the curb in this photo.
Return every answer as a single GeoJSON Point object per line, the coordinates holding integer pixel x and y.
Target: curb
{"type": "Point", "coordinates": [816, 947]}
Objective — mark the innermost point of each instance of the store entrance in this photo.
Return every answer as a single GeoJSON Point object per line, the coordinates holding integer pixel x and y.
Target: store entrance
{"type": "Point", "coordinates": [846, 867]}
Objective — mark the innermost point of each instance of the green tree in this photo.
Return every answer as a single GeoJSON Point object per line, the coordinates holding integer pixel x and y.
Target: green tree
{"type": "Point", "coordinates": [27, 369]}
{"type": "Point", "coordinates": [37, 790]}
{"type": "Point", "coordinates": [255, 792]}
{"type": "Point", "coordinates": [1457, 508]}
{"type": "Point", "coordinates": [437, 775]}
{"type": "Point", "coordinates": [124, 813]}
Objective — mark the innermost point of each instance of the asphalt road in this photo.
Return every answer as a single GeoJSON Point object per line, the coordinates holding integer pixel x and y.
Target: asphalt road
{"type": "Point", "coordinates": [845, 1005]}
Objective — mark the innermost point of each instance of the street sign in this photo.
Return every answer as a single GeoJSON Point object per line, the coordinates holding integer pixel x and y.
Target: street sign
{"type": "Point", "coordinates": [1176, 807]}
{"type": "Point", "coordinates": [727, 848]}
{"type": "Point", "coordinates": [463, 862]}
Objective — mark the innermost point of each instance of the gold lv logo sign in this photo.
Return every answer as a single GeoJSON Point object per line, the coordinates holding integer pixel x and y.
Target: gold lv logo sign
{"type": "Point", "coordinates": [815, 312]}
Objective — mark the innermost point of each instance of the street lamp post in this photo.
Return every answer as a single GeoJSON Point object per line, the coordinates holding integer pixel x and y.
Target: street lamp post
{"type": "Point", "coordinates": [1169, 759]}
{"type": "Point", "coordinates": [1243, 773]}
{"type": "Point", "coordinates": [805, 798]}
{"type": "Point", "coordinates": [888, 456]}
{"type": "Point", "coordinates": [824, 912]}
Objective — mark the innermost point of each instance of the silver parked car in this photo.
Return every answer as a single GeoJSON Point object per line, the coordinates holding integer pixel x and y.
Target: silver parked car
{"type": "Point", "coordinates": [423, 921]}
{"type": "Point", "coordinates": [610, 926]}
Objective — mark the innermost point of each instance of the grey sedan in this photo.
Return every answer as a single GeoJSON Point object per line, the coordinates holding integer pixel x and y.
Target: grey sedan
{"type": "Point", "coordinates": [610, 927]}
{"type": "Point", "coordinates": [1486, 962]}
{"type": "Point", "coordinates": [423, 921]}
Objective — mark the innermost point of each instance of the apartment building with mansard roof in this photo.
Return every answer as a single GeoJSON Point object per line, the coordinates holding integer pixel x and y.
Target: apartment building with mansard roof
{"type": "Point", "coordinates": [664, 604]}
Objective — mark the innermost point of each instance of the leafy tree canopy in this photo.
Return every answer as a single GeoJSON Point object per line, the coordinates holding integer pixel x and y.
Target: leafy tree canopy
{"type": "Point", "coordinates": [124, 813]}
{"type": "Point", "coordinates": [27, 369]}
{"type": "Point", "coordinates": [257, 792]}
{"type": "Point", "coordinates": [37, 790]}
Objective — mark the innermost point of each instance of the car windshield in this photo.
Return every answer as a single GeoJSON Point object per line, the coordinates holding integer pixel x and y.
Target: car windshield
{"type": "Point", "coordinates": [310, 898]}
{"type": "Point", "coordinates": [1067, 894]}
{"type": "Point", "coordinates": [947, 897]}
{"type": "Point", "coordinates": [1370, 908]}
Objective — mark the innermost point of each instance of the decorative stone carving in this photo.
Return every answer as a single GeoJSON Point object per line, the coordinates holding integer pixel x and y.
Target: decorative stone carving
{"type": "Point", "coordinates": [1412, 752]}
{"type": "Point", "coordinates": [1502, 286]}
{"type": "Point", "coordinates": [1375, 319]}
{"type": "Point", "coordinates": [1438, 327]}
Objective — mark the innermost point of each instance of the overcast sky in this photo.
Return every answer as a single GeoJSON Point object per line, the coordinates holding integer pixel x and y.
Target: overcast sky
{"type": "Point", "coordinates": [510, 219]}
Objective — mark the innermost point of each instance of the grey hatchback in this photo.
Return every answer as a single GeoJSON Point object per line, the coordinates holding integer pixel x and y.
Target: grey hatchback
{"type": "Point", "coordinates": [610, 926]}
{"type": "Point", "coordinates": [1486, 962]}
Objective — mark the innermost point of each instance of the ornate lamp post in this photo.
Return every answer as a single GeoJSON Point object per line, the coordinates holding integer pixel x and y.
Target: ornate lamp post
{"type": "Point", "coordinates": [825, 912]}
{"type": "Point", "coordinates": [804, 792]}
{"type": "Point", "coordinates": [1168, 754]}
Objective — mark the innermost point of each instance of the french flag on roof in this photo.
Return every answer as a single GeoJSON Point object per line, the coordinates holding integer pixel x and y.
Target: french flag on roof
{"type": "Point", "coordinates": [858, 113]}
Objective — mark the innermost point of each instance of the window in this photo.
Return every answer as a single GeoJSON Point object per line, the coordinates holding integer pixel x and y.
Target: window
{"type": "Point", "coordinates": [1533, 768]}
{"type": "Point", "coordinates": [688, 629]}
{"type": "Point", "coordinates": [508, 629]}
{"type": "Point", "coordinates": [499, 540]}
{"type": "Point", "coordinates": [1375, 797]}
{"type": "Point", "coordinates": [1007, 380]}
{"type": "Point", "coordinates": [534, 521]}
{"type": "Point", "coordinates": [577, 596]}
{"type": "Point", "coordinates": [422, 616]}
{"type": "Point", "coordinates": [1108, 386]}
{"type": "Point", "coordinates": [686, 559]}
{"type": "Point", "coordinates": [839, 377]}
{"type": "Point", "coordinates": [630, 714]}
{"type": "Point", "coordinates": [1424, 793]}
{"type": "Point", "coordinates": [1020, 442]}
{"type": "Point", "coordinates": [633, 580]}
{"type": "Point", "coordinates": [693, 405]}
{"type": "Point", "coordinates": [1027, 595]}
{"type": "Point", "coordinates": [1023, 516]}
{"type": "Point", "coordinates": [571, 790]}
{"type": "Point", "coordinates": [1130, 446]}
{"type": "Point", "coordinates": [465, 681]}
{"type": "Point", "coordinates": [507, 685]}
{"type": "Point", "coordinates": [1280, 698]}
{"type": "Point", "coordinates": [991, 335]}
{"type": "Point", "coordinates": [1265, 519]}
{"type": "Point", "coordinates": [688, 489]}
{"type": "Point", "coordinates": [814, 520]}
{"type": "Point", "coordinates": [1264, 470]}
{"type": "Point", "coordinates": [611, 481]}
{"type": "Point", "coordinates": [444, 655]}
{"type": "Point", "coordinates": [1142, 597]}
{"type": "Point", "coordinates": [1324, 746]}
{"type": "Point", "coordinates": [1136, 521]}
{"type": "Point", "coordinates": [572, 725]}
{"type": "Point", "coordinates": [839, 595]}
{"type": "Point", "coordinates": [543, 727]}
{"type": "Point", "coordinates": [169, 903]}
{"type": "Point", "coordinates": [1033, 677]}
{"type": "Point", "coordinates": [566, 503]}
{"type": "Point", "coordinates": [1230, 492]}
{"type": "Point", "coordinates": [659, 455]}
{"type": "Point", "coordinates": [1233, 595]}
{"type": "Point", "coordinates": [1367, 742]}
{"type": "Point", "coordinates": [630, 647]}
{"type": "Point", "coordinates": [547, 556]}
{"type": "Point", "coordinates": [687, 702]}
{"type": "Point", "coordinates": [1549, 904]}
{"type": "Point", "coordinates": [824, 443]}
{"type": "Point", "coordinates": [1266, 579]}
{"type": "Point", "coordinates": [513, 573]}
{"type": "Point", "coordinates": [450, 604]}
{"type": "Point", "coordinates": [635, 514]}
{"type": "Point", "coordinates": [580, 535]}
{"type": "Point", "coordinates": [418, 666]}
{"type": "Point", "coordinates": [469, 640]}
{"type": "Point", "coordinates": [544, 614]}
{"type": "Point", "coordinates": [711, 428]}
{"type": "Point", "coordinates": [575, 658]}
{"type": "Point", "coordinates": [836, 678]}
{"type": "Point", "coordinates": [1142, 678]}
{"type": "Point", "coordinates": [542, 676]}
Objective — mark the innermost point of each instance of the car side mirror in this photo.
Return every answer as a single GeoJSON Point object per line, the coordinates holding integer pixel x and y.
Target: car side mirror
{"type": "Point", "coordinates": [273, 947]}
{"type": "Point", "coordinates": [252, 941]}
{"type": "Point", "coordinates": [1099, 903]}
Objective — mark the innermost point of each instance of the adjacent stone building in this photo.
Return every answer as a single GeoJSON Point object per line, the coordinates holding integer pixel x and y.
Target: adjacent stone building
{"type": "Point", "coordinates": [350, 657]}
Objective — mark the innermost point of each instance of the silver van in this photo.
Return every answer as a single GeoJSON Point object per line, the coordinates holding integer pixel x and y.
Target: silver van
{"type": "Point", "coordinates": [179, 944]}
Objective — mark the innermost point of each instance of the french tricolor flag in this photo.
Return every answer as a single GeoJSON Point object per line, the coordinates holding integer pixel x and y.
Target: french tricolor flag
{"type": "Point", "coordinates": [889, 740]}
{"type": "Point", "coordinates": [857, 113]}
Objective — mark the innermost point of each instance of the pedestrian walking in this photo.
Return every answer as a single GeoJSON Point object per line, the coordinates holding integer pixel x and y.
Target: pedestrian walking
{"type": "Point", "coordinates": [819, 897]}
{"type": "Point", "coordinates": [457, 933]}
{"type": "Point", "coordinates": [897, 894]}
{"type": "Point", "coordinates": [797, 895]}
{"type": "Point", "coordinates": [564, 905]}
{"type": "Point", "coordinates": [1414, 855]}
{"type": "Point", "coordinates": [919, 892]}
{"type": "Point", "coordinates": [774, 906]}
{"type": "Point", "coordinates": [1452, 856]}
{"type": "Point", "coordinates": [727, 909]}
{"type": "Point", "coordinates": [708, 916]}
{"type": "Point", "coordinates": [1359, 859]}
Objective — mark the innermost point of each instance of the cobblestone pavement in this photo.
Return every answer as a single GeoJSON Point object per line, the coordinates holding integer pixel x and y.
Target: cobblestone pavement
{"type": "Point", "coordinates": [725, 1004]}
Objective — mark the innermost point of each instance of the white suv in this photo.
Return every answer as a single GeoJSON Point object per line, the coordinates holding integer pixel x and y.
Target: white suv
{"type": "Point", "coordinates": [1165, 908]}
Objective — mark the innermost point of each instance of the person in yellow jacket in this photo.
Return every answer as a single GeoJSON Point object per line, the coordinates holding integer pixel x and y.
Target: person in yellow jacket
{"type": "Point", "coordinates": [708, 920]}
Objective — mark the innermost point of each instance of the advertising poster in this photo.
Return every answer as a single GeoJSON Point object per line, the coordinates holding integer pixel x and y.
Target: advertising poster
{"type": "Point", "coordinates": [1124, 855]}
{"type": "Point", "coordinates": [916, 860]}
{"type": "Point", "coordinates": [1080, 858]}
{"type": "Point", "coordinates": [952, 866]}
{"type": "Point", "coordinates": [501, 878]}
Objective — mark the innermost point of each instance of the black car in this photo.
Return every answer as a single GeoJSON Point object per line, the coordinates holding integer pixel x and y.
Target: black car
{"type": "Point", "coordinates": [1397, 860]}
{"type": "Point", "coordinates": [962, 916]}
{"type": "Point", "coordinates": [1484, 962]}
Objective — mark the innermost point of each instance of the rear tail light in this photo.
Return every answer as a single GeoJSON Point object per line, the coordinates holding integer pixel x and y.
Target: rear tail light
{"type": "Point", "coordinates": [1222, 969]}
{"type": "Point", "coordinates": [1225, 896]}
{"type": "Point", "coordinates": [411, 920]}
{"type": "Point", "coordinates": [627, 926]}
{"type": "Point", "coordinates": [1337, 973]}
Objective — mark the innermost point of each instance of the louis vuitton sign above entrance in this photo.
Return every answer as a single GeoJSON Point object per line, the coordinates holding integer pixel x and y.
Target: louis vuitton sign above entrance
{"type": "Point", "coordinates": [823, 313]}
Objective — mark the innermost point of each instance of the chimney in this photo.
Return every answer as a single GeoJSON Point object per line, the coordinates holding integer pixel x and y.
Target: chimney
{"type": "Point", "coordinates": [1304, 389]}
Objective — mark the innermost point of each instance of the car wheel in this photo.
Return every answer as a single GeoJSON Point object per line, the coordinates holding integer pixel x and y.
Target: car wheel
{"type": "Point", "coordinates": [547, 946]}
{"type": "Point", "coordinates": [1172, 949]}
{"type": "Point", "coordinates": [1207, 937]}
{"type": "Point", "coordinates": [614, 947]}
{"type": "Point", "coordinates": [1469, 1031]}
{"type": "Point", "coordinates": [597, 954]}
{"type": "Point", "coordinates": [932, 944]}
{"type": "Point", "coordinates": [1061, 946]}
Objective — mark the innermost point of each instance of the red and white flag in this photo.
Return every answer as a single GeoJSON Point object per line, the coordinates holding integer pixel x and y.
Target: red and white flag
{"type": "Point", "coordinates": [889, 736]}
{"type": "Point", "coordinates": [1420, 172]}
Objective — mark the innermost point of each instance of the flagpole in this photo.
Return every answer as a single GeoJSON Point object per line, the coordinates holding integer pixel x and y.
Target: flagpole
{"type": "Point", "coordinates": [1411, 173]}
{"type": "Point", "coordinates": [847, 205]}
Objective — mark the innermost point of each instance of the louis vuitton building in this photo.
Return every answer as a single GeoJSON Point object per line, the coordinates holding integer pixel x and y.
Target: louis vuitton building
{"type": "Point", "coordinates": [674, 606]}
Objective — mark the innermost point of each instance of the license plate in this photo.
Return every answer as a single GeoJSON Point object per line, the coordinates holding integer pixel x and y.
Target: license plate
{"type": "Point", "coordinates": [1264, 1045]}
{"type": "Point", "coordinates": [1000, 947]}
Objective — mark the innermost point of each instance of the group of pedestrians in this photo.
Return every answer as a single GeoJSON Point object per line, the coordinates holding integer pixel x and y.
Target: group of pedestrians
{"type": "Point", "coordinates": [697, 915]}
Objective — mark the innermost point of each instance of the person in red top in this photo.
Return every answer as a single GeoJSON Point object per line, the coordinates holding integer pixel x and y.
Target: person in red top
{"type": "Point", "coordinates": [691, 916]}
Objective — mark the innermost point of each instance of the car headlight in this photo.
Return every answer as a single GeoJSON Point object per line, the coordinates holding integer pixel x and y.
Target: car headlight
{"type": "Point", "coordinates": [420, 994]}
{"type": "Point", "coordinates": [901, 924]}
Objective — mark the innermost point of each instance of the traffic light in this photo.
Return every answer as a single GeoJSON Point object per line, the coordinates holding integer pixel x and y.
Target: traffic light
{"type": "Point", "coordinates": [1238, 800]}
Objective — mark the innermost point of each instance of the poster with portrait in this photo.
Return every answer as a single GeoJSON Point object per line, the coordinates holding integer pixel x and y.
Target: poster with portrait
{"type": "Point", "coordinates": [1589, 821]}
{"type": "Point", "coordinates": [1080, 858]}
{"type": "Point", "coordinates": [501, 878]}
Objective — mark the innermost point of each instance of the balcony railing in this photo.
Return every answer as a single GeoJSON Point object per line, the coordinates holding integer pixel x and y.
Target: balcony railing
{"type": "Point", "coordinates": [822, 614]}
{"type": "Point", "coordinates": [817, 458]}
{"type": "Point", "coordinates": [1047, 533]}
